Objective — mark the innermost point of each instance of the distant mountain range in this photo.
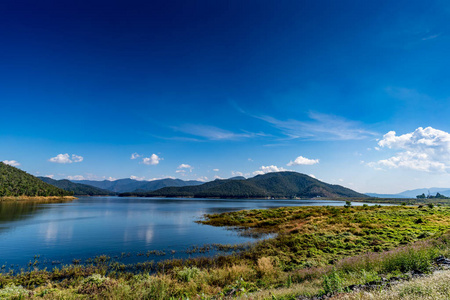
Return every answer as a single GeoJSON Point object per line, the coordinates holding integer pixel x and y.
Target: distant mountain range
{"type": "Point", "coordinates": [78, 189]}
{"type": "Point", "coordinates": [277, 185]}
{"type": "Point", "coordinates": [413, 193]}
{"type": "Point", "coordinates": [15, 182]}
{"type": "Point", "coordinates": [131, 185]}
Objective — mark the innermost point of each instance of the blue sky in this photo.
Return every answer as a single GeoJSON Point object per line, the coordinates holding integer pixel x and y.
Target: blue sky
{"type": "Point", "coordinates": [209, 89]}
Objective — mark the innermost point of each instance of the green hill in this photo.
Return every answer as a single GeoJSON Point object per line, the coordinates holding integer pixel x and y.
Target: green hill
{"type": "Point", "coordinates": [130, 185]}
{"type": "Point", "coordinates": [277, 185]}
{"type": "Point", "coordinates": [15, 182]}
{"type": "Point", "coordinates": [77, 188]}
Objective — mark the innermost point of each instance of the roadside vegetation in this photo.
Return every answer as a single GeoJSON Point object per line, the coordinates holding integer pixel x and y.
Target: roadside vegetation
{"type": "Point", "coordinates": [316, 251]}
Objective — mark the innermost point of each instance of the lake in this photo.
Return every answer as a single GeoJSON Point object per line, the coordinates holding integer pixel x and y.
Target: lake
{"type": "Point", "coordinates": [122, 228]}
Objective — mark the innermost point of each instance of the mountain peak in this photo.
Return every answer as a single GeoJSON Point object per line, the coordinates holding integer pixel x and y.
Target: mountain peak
{"type": "Point", "coordinates": [276, 184]}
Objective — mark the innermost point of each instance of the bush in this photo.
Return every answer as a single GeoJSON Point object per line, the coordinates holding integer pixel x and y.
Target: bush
{"type": "Point", "coordinates": [332, 283]}
{"type": "Point", "coordinates": [265, 267]}
{"type": "Point", "coordinates": [187, 273]}
{"type": "Point", "coordinates": [95, 284]}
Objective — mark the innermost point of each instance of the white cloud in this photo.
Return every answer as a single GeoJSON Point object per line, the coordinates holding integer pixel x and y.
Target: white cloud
{"type": "Point", "coordinates": [162, 177]}
{"type": "Point", "coordinates": [236, 173]}
{"type": "Point", "coordinates": [311, 175]}
{"type": "Point", "coordinates": [269, 169]}
{"type": "Point", "coordinates": [77, 158]}
{"type": "Point", "coordinates": [13, 163]}
{"type": "Point", "coordinates": [66, 159]}
{"type": "Point", "coordinates": [214, 133]}
{"type": "Point", "coordinates": [135, 155]}
{"type": "Point", "coordinates": [61, 159]}
{"type": "Point", "coordinates": [76, 177]}
{"type": "Point", "coordinates": [303, 161]}
{"type": "Point", "coordinates": [423, 150]}
{"type": "Point", "coordinates": [50, 176]}
{"type": "Point", "coordinates": [184, 166]}
{"type": "Point", "coordinates": [216, 170]}
{"type": "Point", "coordinates": [202, 178]}
{"type": "Point", "coordinates": [217, 177]}
{"type": "Point", "coordinates": [320, 127]}
{"type": "Point", "coordinates": [180, 171]}
{"type": "Point", "coordinates": [111, 178]}
{"type": "Point", "coordinates": [137, 178]}
{"type": "Point", "coordinates": [409, 95]}
{"type": "Point", "coordinates": [152, 160]}
{"type": "Point", "coordinates": [431, 37]}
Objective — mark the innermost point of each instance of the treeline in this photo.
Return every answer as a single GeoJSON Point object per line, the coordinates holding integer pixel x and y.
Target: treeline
{"type": "Point", "coordinates": [15, 182]}
{"type": "Point", "coordinates": [438, 196]}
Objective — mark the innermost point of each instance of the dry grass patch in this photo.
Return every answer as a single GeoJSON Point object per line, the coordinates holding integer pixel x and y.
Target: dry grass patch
{"type": "Point", "coordinates": [38, 198]}
{"type": "Point", "coordinates": [434, 287]}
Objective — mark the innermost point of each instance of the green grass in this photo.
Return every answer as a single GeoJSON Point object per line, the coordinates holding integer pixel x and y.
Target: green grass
{"type": "Point", "coordinates": [317, 250]}
{"type": "Point", "coordinates": [318, 235]}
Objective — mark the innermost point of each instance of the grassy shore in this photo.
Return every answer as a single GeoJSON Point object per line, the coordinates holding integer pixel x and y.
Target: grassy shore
{"type": "Point", "coordinates": [316, 251]}
{"type": "Point", "coordinates": [37, 198]}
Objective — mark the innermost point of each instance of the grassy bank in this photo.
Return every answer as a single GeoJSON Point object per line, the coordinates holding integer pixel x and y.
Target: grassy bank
{"type": "Point", "coordinates": [317, 250]}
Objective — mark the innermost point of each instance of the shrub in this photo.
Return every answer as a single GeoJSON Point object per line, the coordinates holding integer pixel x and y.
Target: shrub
{"type": "Point", "coordinates": [265, 267]}
{"type": "Point", "coordinates": [332, 283]}
{"type": "Point", "coordinates": [188, 273]}
{"type": "Point", "coordinates": [95, 284]}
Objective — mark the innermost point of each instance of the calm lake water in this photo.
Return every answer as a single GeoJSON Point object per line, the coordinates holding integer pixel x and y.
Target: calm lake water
{"type": "Point", "coordinates": [91, 226]}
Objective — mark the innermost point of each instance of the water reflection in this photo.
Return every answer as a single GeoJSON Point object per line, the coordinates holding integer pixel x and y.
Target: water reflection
{"type": "Point", "coordinates": [56, 232]}
{"type": "Point", "coordinates": [146, 235]}
{"type": "Point", "coordinates": [18, 210]}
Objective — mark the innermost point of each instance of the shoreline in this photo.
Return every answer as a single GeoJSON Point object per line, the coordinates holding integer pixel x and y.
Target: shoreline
{"type": "Point", "coordinates": [37, 198]}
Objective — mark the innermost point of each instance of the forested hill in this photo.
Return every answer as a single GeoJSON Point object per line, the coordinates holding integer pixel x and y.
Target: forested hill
{"type": "Point", "coordinates": [277, 185]}
{"type": "Point", "coordinates": [130, 185]}
{"type": "Point", "coordinates": [15, 182]}
{"type": "Point", "coordinates": [77, 188]}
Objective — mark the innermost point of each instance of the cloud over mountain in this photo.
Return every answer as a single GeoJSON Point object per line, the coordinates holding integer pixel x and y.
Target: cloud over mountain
{"type": "Point", "coordinates": [303, 161]}
{"type": "Point", "coordinates": [268, 169]}
{"type": "Point", "coordinates": [13, 163]}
